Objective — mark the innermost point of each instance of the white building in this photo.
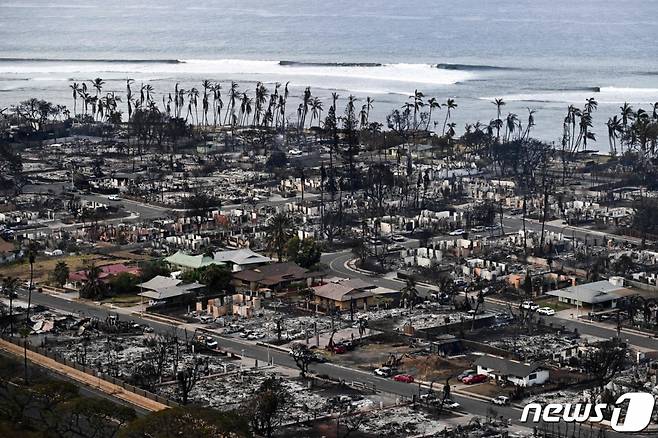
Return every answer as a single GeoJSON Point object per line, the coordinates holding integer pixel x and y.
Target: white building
{"type": "Point", "coordinates": [517, 373]}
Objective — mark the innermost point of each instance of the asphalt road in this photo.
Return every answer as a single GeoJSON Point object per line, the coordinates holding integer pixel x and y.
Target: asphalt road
{"type": "Point", "coordinates": [336, 262]}
{"type": "Point", "coordinates": [263, 354]}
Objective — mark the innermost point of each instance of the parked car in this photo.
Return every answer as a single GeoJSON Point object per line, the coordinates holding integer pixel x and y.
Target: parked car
{"type": "Point", "coordinates": [457, 232]}
{"type": "Point", "coordinates": [397, 238]}
{"type": "Point", "coordinates": [466, 373]}
{"type": "Point", "coordinates": [475, 378]}
{"type": "Point", "coordinates": [500, 400]}
{"type": "Point", "coordinates": [384, 372]}
{"type": "Point", "coordinates": [317, 357]}
{"type": "Point", "coordinates": [340, 349]}
{"type": "Point", "coordinates": [478, 229]}
{"type": "Point", "coordinates": [211, 343]}
{"type": "Point", "coordinates": [451, 404]}
{"type": "Point", "coordinates": [406, 378]}
{"type": "Point", "coordinates": [546, 311]}
{"type": "Point", "coordinates": [394, 247]}
{"type": "Point", "coordinates": [529, 305]}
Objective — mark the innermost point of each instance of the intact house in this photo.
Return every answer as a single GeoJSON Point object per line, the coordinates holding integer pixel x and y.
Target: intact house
{"type": "Point", "coordinates": [186, 262]}
{"type": "Point", "coordinates": [275, 276]}
{"type": "Point", "coordinates": [344, 294]}
{"type": "Point", "coordinates": [241, 259]}
{"type": "Point", "coordinates": [167, 291]}
{"type": "Point", "coordinates": [77, 278]}
{"type": "Point", "coordinates": [236, 260]}
{"type": "Point", "coordinates": [597, 295]}
{"type": "Point", "coordinates": [517, 373]}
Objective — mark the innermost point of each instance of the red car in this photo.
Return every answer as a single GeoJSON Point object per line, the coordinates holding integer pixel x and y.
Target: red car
{"type": "Point", "coordinates": [476, 378]}
{"type": "Point", "coordinates": [406, 378]}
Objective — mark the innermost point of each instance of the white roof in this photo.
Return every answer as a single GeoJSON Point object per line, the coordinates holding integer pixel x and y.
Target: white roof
{"type": "Point", "coordinates": [592, 293]}
{"type": "Point", "coordinates": [160, 282]}
{"type": "Point", "coordinates": [243, 256]}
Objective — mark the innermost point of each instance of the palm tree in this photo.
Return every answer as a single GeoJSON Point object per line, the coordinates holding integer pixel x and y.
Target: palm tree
{"type": "Point", "coordinates": [98, 85]}
{"type": "Point", "coordinates": [232, 97]}
{"type": "Point", "coordinates": [261, 98]}
{"type": "Point", "coordinates": [10, 288]}
{"type": "Point", "coordinates": [510, 125]}
{"type": "Point", "coordinates": [316, 110]}
{"type": "Point", "coordinates": [614, 128]}
{"type": "Point", "coordinates": [76, 90]}
{"type": "Point", "coordinates": [417, 104]}
{"type": "Point", "coordinates": [193, 96]}
{"type": "Point", "coordinates": [450, 105]}
{"type": "Point", "coordinates": [306, 99]}
{"type": "Point", "coordinates": [369, 106]}
{"type": "Point", "coordinates": [93, 288]}
{"type": "Point", "coordinates": [207, 85]}
{"type": "Point", "coordinates": [129, 99]}
{"type": "Point", "coordinates": [450, 133]}
{"type": "Point", "coordinates": [217, 103]}
{"type": "Point", "coordinates": [531, 123]}
{"type": "Point", "coordinates": [627, 114]}
{"type": "Point", "coordinates": [409, 293]}
{"type": "Point", "coordinates": [279, 232]}
{"type": "Point", "coordinates": [245, 108]}
{"type": "Point", "coordinates": [433, 104]}
{"type": "Point", "coordinates": [499, 104]}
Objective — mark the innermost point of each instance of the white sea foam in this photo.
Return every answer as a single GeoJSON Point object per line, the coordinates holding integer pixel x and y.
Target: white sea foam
{"type": "Point", "coordinates": [385, 78]}
{"type": "Point", "coordinates": [606, 95]}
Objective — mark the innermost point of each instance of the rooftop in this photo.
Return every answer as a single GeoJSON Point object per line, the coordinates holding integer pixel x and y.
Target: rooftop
{"type": "Point", "coordinates": [592, 293]}
{"type": "Point", "coordinates": [506, 366]}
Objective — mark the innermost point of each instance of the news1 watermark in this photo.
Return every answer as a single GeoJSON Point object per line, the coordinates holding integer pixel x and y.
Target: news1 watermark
{"type": "Point", "coordinates": [637, 416]}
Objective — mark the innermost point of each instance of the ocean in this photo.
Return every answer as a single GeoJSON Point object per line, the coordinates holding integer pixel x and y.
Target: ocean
{"type": "Point", "coordinates": [535, 54]}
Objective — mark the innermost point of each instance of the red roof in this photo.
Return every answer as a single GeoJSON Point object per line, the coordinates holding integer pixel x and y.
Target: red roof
{"type": "Point", "coordinates": [106, 272]}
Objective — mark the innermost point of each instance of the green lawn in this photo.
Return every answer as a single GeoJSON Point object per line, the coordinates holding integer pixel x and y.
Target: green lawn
{"type": "Point", "coordinates": [123, 300]}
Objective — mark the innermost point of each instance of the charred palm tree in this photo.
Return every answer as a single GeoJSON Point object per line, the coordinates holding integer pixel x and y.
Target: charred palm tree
{"type": "Point", "coordinates": [449, 105]}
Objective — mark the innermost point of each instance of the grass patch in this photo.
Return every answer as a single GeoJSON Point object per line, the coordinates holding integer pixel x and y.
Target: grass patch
{"type": "Point", "coordinates": [123, 300]}
{"type": "Point", "coordinates": [43, 267]}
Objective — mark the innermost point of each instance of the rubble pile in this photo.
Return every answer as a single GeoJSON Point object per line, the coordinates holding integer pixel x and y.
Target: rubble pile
{"type": "Point", "coordinates": [535, 347]}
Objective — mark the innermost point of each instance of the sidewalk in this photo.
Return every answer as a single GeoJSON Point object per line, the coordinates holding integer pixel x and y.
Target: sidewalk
{"type": "Point", "coordinates": [84, 378]}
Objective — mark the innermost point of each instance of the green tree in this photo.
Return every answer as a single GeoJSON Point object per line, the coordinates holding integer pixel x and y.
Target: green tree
{"type": "Point", "coordinates": [309, 253]}
{"type": "Point", "coordinates": [292, 247]}
{"type": "Point", "coordinates": [123, 283]}
{"type": "Point", "coordinates": [215, 277]}
{"type": "Point", "coordinates": [93, 288]}
{"type": "Point", "coordinates": [60, 274]}
{"type": "Point", "coordinates": [154, 268]}
{"type": "Point", "coordinates": [279, 232]}
{"type": "Point", "coordinates": [305, 253]}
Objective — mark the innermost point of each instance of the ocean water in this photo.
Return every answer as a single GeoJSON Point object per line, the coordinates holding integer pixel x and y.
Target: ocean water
{"type": "Point", "coordinates": [536, 54]}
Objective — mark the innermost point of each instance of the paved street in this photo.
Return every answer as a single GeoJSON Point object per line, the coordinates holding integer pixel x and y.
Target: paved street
{"type": "Point", "coordinates": [263, 354]}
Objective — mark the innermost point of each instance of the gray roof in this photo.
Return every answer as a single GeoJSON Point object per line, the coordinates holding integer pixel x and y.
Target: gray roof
{"type": "Point", "coordinates": [592, 293]}
{"type": "Point", "coordinates": [160, 282]}
{"type": "Point", "coordinates": [243, 256]}
{"type": "Point", "coordinates": [345, 289]}
{"type": "Point", "coordinates": [507, 367]}
{"type": "Point", "coordinates": [171, 291]}
{"type": "Point", "coordinates": [191, 261]}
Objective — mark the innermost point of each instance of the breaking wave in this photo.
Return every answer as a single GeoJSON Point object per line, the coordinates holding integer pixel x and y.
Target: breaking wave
{"type": "Point", "coordinates": [385, 78]}
{"type": "Point", "coordinates": [604, 95]}
{"type": "Point", "coordinates": [472, 67]}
